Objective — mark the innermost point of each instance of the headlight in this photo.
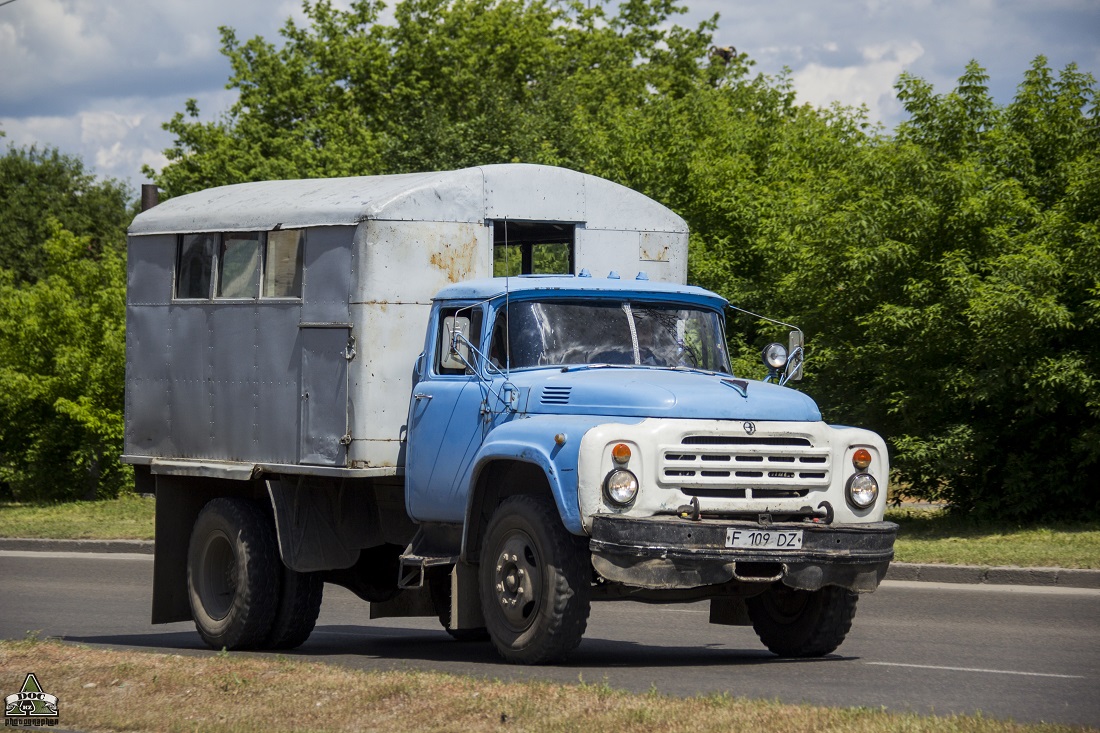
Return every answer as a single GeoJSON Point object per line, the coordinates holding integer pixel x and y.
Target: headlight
{"type": "Point", "coordinates": [774, 356]}
{"type": "Point", "coordinates": [620, 487]}
{"type": "Point", "coordinates": [862, 490]}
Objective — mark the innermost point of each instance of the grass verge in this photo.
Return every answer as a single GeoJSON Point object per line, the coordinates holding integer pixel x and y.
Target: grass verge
{"type": "Point", "coordinates": [926, 536]}
{"type": "Point", "coordinates": [934, 536]}
{"type": "Point", "coordinates": [128, 517]}
{"type": "Point", "coordinates": [106, 690]}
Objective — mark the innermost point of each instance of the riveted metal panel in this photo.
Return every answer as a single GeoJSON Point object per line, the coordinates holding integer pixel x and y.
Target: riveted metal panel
{"type": "Point", "coordinates": [660, 255]}
{"type": "Point", "coordinates": [148, 384]}
{"type": "Point", "coordinates": [328, 274]}
{"type": "Point", "coordinates": [278, 380]}
{"type": "Point", "coordinates": [663, 255]}
{"type": "Point", "coordinates": [601, 252]}
{"type": "Point", "coordinates": [266, 205]}
{"type": "Point", "coordinates": [231, 379]}
{"type": "Point", "coordinates": [452, 196]}
{"type": "Point", "coordinates": [382, 379]}
{"type": "Point", "coordinates": [190, 416]}
{"type": "Point", "coordinates": [535, 192]}
{"type": "Point", "coordinates": [409, 261]}
{"type": "Point", "coordinates": [611, 206]}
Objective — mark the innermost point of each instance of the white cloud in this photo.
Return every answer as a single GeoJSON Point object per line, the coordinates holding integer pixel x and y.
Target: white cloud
{"type": "Point", "coordinates": [868, 83]}
{"type": "Point", "coordinates": [114, 136]}
{"type": "Point", "coordinates": [97, 78]}
{"type": "Point", "coordinates": [99, 127]}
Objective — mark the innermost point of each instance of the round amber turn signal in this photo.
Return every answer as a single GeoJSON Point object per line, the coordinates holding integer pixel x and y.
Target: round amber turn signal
{"type": "Point", "coordinates": [621, 453]}
{"type": "Point", "coordinates": [861, 459]}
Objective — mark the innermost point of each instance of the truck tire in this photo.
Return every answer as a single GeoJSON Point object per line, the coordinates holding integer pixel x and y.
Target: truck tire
{"type": "Point", "coordinates": [299, 606]}
{"type": "Point", "coordinates": [535, 582]}
{"type": "Point", "coordinates": [233, 574]}
{"type": "Point", "coordinates": [802, 623]}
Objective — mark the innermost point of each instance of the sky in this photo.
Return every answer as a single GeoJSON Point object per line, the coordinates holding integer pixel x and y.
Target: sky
{"type": "Point", "coordinates": [98, 78]}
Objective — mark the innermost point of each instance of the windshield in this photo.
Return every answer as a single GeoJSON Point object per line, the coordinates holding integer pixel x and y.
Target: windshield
{"type": "Point", "coordinates": [551, 333]}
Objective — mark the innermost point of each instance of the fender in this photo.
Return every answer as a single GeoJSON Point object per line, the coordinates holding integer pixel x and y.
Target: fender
{"type": "Point", "coordinates": [532, 440]}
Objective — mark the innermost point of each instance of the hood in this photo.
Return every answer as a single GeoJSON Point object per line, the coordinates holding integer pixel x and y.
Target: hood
{"type": "Point", "coordinates": [651, 392]}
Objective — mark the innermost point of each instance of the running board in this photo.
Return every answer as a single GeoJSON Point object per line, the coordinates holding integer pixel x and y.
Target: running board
{"type": "Point", "coordinates": [414, 567]}
{"type": "Point", "coordinates": [434, 545]}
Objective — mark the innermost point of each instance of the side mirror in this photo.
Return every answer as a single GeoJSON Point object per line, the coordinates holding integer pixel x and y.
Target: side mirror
{"type": "Point", "coordinates": [794, 365]}
{"type": "Point", "coordinates": [455, 336]}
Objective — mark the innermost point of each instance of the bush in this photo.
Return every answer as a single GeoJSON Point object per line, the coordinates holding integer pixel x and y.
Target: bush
{"type": "Point", "coordinates": [62, 368]}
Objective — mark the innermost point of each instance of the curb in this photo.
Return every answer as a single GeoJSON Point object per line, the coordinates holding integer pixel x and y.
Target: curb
{"type": "Point", "coordinates": [962, 574]}
{"type": "Point", "coordinates": [19, 544]}
{"type": "Point", "coordinates": [984, 575]}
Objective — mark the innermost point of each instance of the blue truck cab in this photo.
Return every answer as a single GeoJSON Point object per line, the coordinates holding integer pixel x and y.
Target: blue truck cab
{"type": "Point", "coordinates": [576, 438]}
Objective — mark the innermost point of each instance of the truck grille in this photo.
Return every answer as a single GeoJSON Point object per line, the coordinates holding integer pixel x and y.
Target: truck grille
{"type": "Point", "coordinates": [745, 467]}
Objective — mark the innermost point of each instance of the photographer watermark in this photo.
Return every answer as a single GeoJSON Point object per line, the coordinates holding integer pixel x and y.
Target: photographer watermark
{"type": "Point", "coordinates": [31, 706]}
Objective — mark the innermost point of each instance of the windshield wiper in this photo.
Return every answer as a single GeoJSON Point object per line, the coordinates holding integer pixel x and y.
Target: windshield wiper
{"type": "Point", "coordinates": [578, 367]}
{"type": "Point", "coordinates": [678, 368]}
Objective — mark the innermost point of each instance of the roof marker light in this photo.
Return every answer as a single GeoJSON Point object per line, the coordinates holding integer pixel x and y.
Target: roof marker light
{"type": "Point", "coordinates": [584, 272]}
{"type": "Point", "coordinates": [642, 276]}
{"type": "Point", "coordinates": [612, 275]}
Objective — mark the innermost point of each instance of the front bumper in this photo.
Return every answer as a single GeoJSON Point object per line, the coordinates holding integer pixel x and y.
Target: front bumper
{"type": "Point", "coordinates": [670, 552]}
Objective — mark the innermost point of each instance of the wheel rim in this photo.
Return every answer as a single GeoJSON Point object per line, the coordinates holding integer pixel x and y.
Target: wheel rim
{"type": "Point", "coordinates": [786, 605]}
{"type": "Point", "coordinates": [218, 576]}
{"type": "Point", "coordinates": [517, 580]}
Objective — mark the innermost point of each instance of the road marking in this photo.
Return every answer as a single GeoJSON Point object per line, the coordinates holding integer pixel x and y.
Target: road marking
{"type": "Point", "coordinates": [971, 669]}
{"type": "Point", "coordinates": [1045, 590]}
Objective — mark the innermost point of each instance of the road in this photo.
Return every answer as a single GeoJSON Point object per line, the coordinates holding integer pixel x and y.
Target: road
{"type": "Point", "coordinates": [1026, 653]}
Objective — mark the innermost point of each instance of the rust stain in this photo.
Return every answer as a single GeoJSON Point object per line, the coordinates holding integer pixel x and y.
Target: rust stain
{"type": "Point", "coordinates": [653, 248]}
{"type": "Point", "coordinates": [457, 260]}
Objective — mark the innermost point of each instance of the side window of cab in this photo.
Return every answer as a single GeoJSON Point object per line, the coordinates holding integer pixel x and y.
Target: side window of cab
{"type": "Point", "coordinates": [458, 328]}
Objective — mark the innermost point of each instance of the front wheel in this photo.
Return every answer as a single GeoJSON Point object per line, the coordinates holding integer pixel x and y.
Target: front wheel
{"type": "Point", "coordinates": [534, 582]}
{"type": "Point", "coordinates": [802, 623]}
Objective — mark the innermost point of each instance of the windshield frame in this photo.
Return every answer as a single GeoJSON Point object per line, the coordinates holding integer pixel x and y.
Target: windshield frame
{"type": "Point", "coordinates": [629, 305]}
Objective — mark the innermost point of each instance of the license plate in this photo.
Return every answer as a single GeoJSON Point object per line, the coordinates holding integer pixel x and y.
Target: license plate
{"type": "Point", "coordinates": [765, 539]}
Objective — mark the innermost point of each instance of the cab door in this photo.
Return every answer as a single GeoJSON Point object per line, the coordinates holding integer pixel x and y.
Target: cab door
{"type": "Point", "coordinates": [446, 428]}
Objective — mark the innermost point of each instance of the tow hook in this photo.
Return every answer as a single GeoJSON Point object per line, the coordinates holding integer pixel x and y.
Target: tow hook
{"type": "Point", "coordinates": [689, 511]}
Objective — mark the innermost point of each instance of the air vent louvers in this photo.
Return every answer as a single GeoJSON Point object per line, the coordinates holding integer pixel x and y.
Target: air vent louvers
{"type": "Point", "coordinates": [555, 395]}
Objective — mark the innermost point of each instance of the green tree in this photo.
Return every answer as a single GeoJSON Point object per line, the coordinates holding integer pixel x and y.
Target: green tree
{"type": "Point", "coordinates": [947, 276]}
{"type": "Point", "coordinates": [62, 364]}
{"type": "Point", "coordinates": [40, 185]}
{"type": "Point", "coordinates": [451, 83]}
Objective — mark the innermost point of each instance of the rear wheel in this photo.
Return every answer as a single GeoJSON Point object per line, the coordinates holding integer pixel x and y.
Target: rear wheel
{"type": "Point", "coordinates": [233, 574]}
{"type": "Point", "coordinates": [299, 605]}
{"type": "Point", "coordinates": [534, 582]}
{"type": "Point", "coordinates": [802, 623]}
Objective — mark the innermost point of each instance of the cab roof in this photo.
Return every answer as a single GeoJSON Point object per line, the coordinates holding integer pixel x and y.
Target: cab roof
{"type": "Point", "coordinates": [583, 285]}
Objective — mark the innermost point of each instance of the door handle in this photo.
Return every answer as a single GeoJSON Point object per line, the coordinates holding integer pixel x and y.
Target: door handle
{"type": "Point", "coordinates": [422, 396]}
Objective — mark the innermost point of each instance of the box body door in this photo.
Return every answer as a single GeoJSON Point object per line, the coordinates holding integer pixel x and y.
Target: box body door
{"type": "Point", "coordinates": [324, 400]}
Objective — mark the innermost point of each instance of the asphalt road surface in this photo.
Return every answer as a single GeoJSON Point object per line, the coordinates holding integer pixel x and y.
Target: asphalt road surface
{"type": "Point", "coordinates": [1026, 653]}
